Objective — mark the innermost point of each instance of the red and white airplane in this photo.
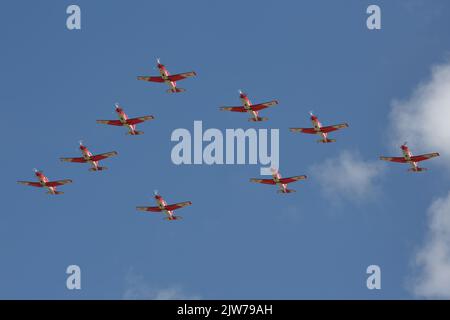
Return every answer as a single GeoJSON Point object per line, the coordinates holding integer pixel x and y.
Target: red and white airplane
{"type": "Point", "coordinates": [252, 109]}
{"type": "Point", "coordinates": [409, 158]}
{"type": "Point", "coordinates": [320, 130]}
{"type": "Point", "coordinates": [165, 208]}
{"type": "Point", "coordinates": [125, 121]}
{"type": "Point", "coordinates": [45, 183]}
{"type": "Point", "coordinates": [88, 157]}
{"type": "Point", "coordinates": [170, 80]}
{"type": "Point", "coordinates": [279, 181]}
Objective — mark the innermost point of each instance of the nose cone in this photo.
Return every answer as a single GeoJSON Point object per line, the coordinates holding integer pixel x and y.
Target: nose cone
{"type": "Point", "coordinates": [157, 197]}
{"type": "Point", "coordinates": [404, 147]}
{"type": "Point", "coordinates": [160, 66]}
{"type": "Point", "coordinates": [313, 118]}
{"type": "Point", "coordinates": [82, 147]}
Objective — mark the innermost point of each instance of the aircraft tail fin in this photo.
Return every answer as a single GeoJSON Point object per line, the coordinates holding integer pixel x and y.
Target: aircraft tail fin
{"type": "Point", "coordinates": [98, 168]}
{"type": "Point", "coordinates": [286, 191]}
{"type": "Point", "coordinates": [326, 140]}
{"type": "Point", "coordinates": [258, 119]}
{"type": "Point", "coordinates": [176, 89]}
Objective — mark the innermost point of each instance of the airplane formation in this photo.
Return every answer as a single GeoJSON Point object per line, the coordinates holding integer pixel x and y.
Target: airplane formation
{"type": "Point", "coordinates": [246, 107]}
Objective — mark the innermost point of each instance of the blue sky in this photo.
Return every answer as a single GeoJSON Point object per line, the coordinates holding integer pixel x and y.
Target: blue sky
{"type": "Point", "coordinates": [238, 240]}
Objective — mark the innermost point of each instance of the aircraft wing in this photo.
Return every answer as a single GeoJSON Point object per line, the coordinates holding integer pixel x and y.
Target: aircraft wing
{"type": "Point", "coordinates": [179, 205]}
{"type": "Point", "coordinates": [264, 181]}
{"type": "Point", "coordinates": [333, 128]}
{"type": "Point", "coordinates": [151, 209]}
{"type": "Point", "coordinates": [110, 122]}
{"type": "Point", "coordinates": [304, 130]}
{"type": "Point", "coordinates": [57, 183]}
{"type": "Point", "coordinates": [79, 159]}
{"type": "Point", "coordinates": [32, 184]}
{"type": "Point", "coordinates": [423, 157]}
{"type": "Point", "coordinates": [150, 78]}
{"type": "Point", "coordinates": [139, 119]}
{"type": "Point", "coordinates": [102, 156]}
{"type": "Point", "coordinates": [233, 109]}
{"type": "Point", "coordinates": [394, 159]}
{"type": "Point", "coordinates": [292, 179]}
{"type": "Point", "coordinates": [260, 106]}
{"type": "Point", "coordinates": [181, 76]}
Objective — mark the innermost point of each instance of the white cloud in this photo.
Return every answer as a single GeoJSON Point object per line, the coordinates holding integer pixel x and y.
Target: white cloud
{"type": "Point", "coordinates": [137, 289]}
{"type": "Point", "coordinates": [433, 259]}
{"type": "Point", "coordinates": [423, 119]}
{"type": "Point", "coordinates": [348, 177]}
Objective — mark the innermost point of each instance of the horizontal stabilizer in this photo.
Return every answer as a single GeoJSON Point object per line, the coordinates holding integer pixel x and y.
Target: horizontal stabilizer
{"type": "Point", "coordinates": [176, 90]}
{"type": "Point", "coordinates": [98, 168]}
{"type": "Point", "coordinates": [173, 218]}
{"type": "Point", "coordinates": [326, 140]}
{"type": "Point", "coordinates": [135, 133]}
{"type": "Point", "coordinates": [286, 191]}
{"type": "Point", "coordinates": [258, 119]}
{"type": "Point", "coordinates": [417, 169]}
{"type": "Point", "coordinates": [56, 192]}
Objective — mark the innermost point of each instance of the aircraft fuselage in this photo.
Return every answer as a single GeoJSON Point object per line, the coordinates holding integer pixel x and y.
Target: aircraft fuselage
{"type": "Point", "coordinates": [162, 205]}
{"type": "Point", "coordinates": [43, 180]}
{"type": "Point", "coordinates": [247, 105]}
{"type": "Point", "coordinates": [165, 75]}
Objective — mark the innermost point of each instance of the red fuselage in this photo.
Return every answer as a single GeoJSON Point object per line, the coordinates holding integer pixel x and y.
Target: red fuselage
{"type": "Point", "coordinates": [162, 204]}
{"type": "Point", "coordinates": [165, 74]}
{"type": "Point", "coordinates": [407, 154]}
{"type": "Point", "coordinates": [317, 125]}
{"type": "Point", "coordinates": [276, 177]}
{"type": "Point", "coordinates": [43, 180]}
{"type": "Point", "coordinates": [123, 119]}
{"type": "Point", "coordinates": [247, 104]}
{"type": "Point", "coordinates": [87, 156]}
